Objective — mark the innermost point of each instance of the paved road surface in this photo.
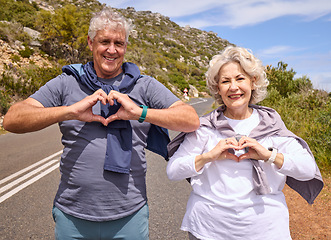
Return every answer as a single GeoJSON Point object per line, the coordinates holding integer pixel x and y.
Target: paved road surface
{"type": "Point", "coordinates": [29, 179]}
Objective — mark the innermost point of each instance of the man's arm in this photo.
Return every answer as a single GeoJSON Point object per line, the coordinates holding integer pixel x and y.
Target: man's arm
{"type": "Point", "coordinates": [178, 117]}
{"type": "Point", "coordinates": [30, 115]}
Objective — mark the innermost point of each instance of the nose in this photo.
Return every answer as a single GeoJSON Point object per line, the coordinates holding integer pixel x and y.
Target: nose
{"type": "Point", "coordinates": [233, 85]}
{"type": "Point", "coordinates": [112, 48]}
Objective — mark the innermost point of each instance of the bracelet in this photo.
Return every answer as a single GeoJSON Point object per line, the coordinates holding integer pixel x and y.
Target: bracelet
{"type": "Point", "coordinates": [143, 114]}
{"type": "Point", "coordinates": [273, 155]}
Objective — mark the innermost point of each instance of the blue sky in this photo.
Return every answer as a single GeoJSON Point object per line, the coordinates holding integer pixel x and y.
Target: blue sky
{"type": "Point", "coordinates": [297, 32]}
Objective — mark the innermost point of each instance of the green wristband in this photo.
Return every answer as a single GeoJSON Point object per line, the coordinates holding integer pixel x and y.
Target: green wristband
{"type": "Point", "coordinates": [143, 114]}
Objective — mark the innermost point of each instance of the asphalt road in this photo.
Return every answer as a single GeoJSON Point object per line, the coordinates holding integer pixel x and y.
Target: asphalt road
{"type": "Point", "coordinates": [29, 178]}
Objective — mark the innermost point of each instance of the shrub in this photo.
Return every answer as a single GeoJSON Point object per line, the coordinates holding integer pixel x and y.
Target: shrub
{"type": "Point", "coordinates": [4, 102]}
{"type": "Point", "coordinates": [178, 80]}
{"type": "Point", "coordinates": [15, 58]}
{"type": "Point", "coordinates": [24, 82]}
{"type": "Point", "coordinates": [10, 32]}
{"type": "Point", "coordinates": [281, 79]}
{"type": "Point", "coordinates": [27, 52]}
{"type": "Point", "coordinates": [308, 115]}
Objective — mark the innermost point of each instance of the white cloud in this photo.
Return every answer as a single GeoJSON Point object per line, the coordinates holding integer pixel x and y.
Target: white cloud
{"type": "Point", "coordinates": [284, 53]}
{"type": "Point", "coordinates": [311, 61]}
{"type": "Point", "coordinates": [233, 13]}
{"type": "Point", "coordinates": [304, 62]}
{"type": "Point", "coordinates": [253, 12]}
{"type": "Point", "coordinates": [321, 80]}
{"type": "Point", "coordinates": [275, 50]}
{"type": "Point", "coordinates": [170, 8]}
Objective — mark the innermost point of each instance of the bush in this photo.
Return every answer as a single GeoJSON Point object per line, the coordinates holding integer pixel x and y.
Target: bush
{"type": "Point", "coordinates": [304, 110]}
{"type": "Point", "coordinates": [4, 102]}
{"type": "Point", "coordinates": [24, 82]}
{"type": "Point", "coordinates": [10, 32]}
{"type": "Point", "coordinates": [282, 79]}
{"type": "Point", "coordinates": [27, 52]}
{"type": "Point", "coordinates": [308, 115]}
{"type": "Point", "coordinates": [15, 58]}
{"type": "Point", "coordinates": [178, 80]}
{"type": "Point", "coordinates": [19, 11]}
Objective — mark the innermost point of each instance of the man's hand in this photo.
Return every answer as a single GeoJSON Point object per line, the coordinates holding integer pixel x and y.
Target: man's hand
{"type": "Point", "coordinates": [178, 117]}
{"type": "Point", "coordinates": [82, 110]}
{"type": "Point", "coordinates": [30, 115]}
{"type": "Point", "coordinates": [128, 110]}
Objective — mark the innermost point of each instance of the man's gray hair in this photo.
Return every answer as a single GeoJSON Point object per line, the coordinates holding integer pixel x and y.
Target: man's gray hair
{"type": "Point", "coordinates": [109, 19]}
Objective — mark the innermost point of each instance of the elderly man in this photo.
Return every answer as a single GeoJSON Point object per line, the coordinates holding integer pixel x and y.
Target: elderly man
{"type": "Point", "coordinates": [108, 113]}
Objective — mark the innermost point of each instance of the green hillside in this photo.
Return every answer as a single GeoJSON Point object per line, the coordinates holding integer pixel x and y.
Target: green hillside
{"type": "Point", "coordinates": [38, 38]}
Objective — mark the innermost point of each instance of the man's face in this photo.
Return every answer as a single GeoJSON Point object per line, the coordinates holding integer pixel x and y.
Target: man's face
{"type": "Point", "coordinates": [108, 48]}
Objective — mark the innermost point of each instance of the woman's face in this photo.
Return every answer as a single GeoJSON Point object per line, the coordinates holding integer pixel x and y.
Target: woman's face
{"type": "Point", "coordinates": [235, 87]}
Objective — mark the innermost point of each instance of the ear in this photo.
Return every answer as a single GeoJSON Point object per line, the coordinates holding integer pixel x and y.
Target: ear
{"type": "Point", "coordinates": [253, 80]}
{"type": "Point", "coordinates": [90, 43]}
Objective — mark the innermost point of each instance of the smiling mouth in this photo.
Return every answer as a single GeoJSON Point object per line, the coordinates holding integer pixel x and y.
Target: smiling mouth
{"type": "Point", "coordinates": [110, 58]}
{"type": "Point", "coordinates": [236, 96]}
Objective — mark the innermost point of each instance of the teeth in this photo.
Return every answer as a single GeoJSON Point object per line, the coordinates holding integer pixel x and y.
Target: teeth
{"type": "Point", "coordinates": [235, 96]}
{"type": "Point", "coordinates": [110, 59]}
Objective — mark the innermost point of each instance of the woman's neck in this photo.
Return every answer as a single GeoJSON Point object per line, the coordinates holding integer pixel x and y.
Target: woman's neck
{"type": "Point", "coordinates": [238, 114]}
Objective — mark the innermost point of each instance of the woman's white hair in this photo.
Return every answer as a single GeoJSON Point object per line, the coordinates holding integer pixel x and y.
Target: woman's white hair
{"type": "Point", "coordinates": [251, 65]}
{"type": "Point", "coordinates": [109, 19]}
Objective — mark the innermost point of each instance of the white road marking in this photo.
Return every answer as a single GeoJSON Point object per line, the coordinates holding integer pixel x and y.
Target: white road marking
{"type": "Point", "coordinates": [50, 163]}
{"type": "Point", "coordinates": [201, 101]}
{"type": "Point", "coordinates": [26, 176]}
{"type": "Point", "coordinates": [30, 167]}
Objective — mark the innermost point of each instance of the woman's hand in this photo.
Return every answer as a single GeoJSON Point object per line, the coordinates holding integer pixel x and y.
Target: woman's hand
{"type": "Point", "coordinates": [219, 152]}
{"type": "Point", "coordinates": [257, 152]}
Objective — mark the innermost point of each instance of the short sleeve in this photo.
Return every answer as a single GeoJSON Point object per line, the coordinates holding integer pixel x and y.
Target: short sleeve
{"type": "Point", "coordinates": [50, 95]}
{"type": "Point", "coordinates": [158, 96]}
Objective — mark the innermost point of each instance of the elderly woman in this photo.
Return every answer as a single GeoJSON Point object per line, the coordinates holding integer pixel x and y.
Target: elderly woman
{"type": "Point", "coordinates": [240, 158]}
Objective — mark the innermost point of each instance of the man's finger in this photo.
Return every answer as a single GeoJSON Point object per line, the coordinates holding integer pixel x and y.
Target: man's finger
{"type": "Point", "coordinates": [111, 118]}
{"type": "Point", "coordinates": [113, 95]}
{"type": "Point", "coordinates": [98, 118]}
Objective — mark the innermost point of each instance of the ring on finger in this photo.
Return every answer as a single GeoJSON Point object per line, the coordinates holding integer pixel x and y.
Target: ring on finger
{"type": "Point", "coordinates": [226, 141]}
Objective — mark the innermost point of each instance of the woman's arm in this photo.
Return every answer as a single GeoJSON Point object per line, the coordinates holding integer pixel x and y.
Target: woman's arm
{"type": "Point", "coordinates": [291, 160]}
{"type": "Point", "coordinates": [298, 163]}
{"type": "Point", "coordinates": [191, 156]}
{"type": "Point", "coordinates": [181, 164]}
